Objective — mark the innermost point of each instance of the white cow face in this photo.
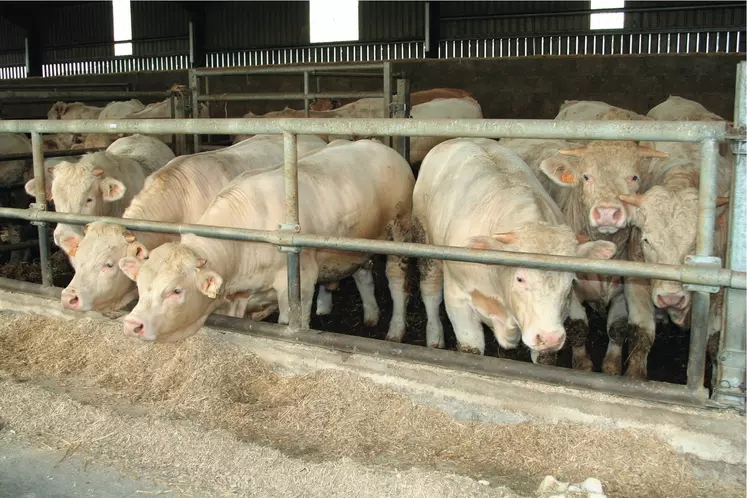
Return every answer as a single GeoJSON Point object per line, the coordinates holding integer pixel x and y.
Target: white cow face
{"type": "Point", "coordinates": [176, 291]}
{"type": "Point", "coordinates": [666, 233]}
{"type": "Point", "coordinates": [532, 301]}
{"type": "Point", "coordinates": [98, 283]}
{"type": "Point", "coordinates": [601, 173]}
{"type": "Point", "coordinates": [81, 188]}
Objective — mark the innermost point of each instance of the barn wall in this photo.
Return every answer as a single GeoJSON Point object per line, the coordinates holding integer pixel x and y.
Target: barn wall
{"type": "Point", "coordinates": [531, 88]}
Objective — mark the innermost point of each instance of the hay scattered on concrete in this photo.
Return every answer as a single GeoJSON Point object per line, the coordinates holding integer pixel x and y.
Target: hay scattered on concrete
{"type": "Point", "coordinates": [330, 415]}
{"type": "Point", "coordinates": [62, 272]}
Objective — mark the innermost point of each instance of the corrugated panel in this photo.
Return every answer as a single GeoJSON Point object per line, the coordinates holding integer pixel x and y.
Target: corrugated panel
{"type": "Point", "coordinates": [159, 20]}
{"type": "Point", "coordinates": [704, 15]}
{"type": "Point", "coordinates": [240, 25]}
{"type": "Point", "coordinates": [74, 27]}
{"type": "Point", "coordinates": [390, 21]}
{"type": "Point", "coordinates": [510, 18]}
{"type": "Point", "coordinates": [11, 44]}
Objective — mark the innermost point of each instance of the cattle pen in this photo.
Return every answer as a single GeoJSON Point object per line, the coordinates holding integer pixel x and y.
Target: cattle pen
{"type": "Point", "coordinates": [701, 273]}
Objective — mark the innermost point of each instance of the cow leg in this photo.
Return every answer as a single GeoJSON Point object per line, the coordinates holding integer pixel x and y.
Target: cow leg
{"type": "Point", "coordinates": [715, 322]}
{"type": "Point", "coordinates": [258, 316]}
{"type": "Point", "coordinates": [617, 328]}
{"type": "Point", "coordinates": [432, 293]}
{"type": "Point", "coordinates": [396, 274]}
{"type": "Point", "coordinates": [365, 283]}
{"type": "Point", "coordinates": [642, 326]}
{"type": "Point", "coordinates": [467, 325]}
{"type": "Point", "coordinates": [577, 331]}
{"type": "Point", "coordinates": [323, 301]}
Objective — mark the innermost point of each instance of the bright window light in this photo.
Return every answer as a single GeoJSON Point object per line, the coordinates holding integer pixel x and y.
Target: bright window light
{"type": "Point", "coordinates": [333, 20]}
{"type": "Point", "coordinates": [122, 26]}
{"type": "Point", "coordinates": [607, 20]}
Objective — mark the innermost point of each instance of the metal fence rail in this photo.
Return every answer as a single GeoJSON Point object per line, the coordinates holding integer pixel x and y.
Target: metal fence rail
{"type": "Point", "coordinates": [706, 133]}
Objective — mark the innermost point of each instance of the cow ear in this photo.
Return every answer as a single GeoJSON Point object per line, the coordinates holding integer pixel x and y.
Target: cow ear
{"type": "Point", "coordinates": [130, 266]}
{"type": "Point", "coordinates": [112, 190]}
{"type": "Point", "coordinates": [560, 171]}
{"type": "Point", "coordinates": [482, 242]}
{"type": "Point", "coordinates": [137, 250]}
{"type": "Point", "coordinates": [69, 243]}
{"type": "Point", "coordinates": [488, 306]}
{"type": "Point", "coordinates": [30, 188]}
{"type": "Point", "coordinates": [600, 249]}
{"type": "Point", "coordinates": [209, 283]}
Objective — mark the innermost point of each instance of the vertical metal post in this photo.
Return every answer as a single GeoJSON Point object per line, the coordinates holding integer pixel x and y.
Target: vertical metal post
{"type": "Point", "coordinates": [306, 93]}
{"type": "Point", "coordinates": [402, 100]}
{"type": "Point", "coordinates": [180, 142]}
{"type": "Point", "coordinates": [41, 203]}
{"type": "Point", "coordinates": [194, 92]}
{"type": "Point", "coordinates": [704, 247]}
{"type": "Point", "coordinates": [290, 151]}
{"type": "Point", "coordinates": [387, 97]}
{"type": "Point", "coordinates": [191, 45]}
{"type": "Point", "coordinates": [729, 386]}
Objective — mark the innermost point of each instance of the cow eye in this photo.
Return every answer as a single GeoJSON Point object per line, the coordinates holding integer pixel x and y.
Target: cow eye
{"type": "Point", "coordinates": [586, 178]}
{"type": "Point", "coordinates": [520, 280]}
{"type": "Point", "coordinates": [645, 241]}
{"type": "Point", "coordinates": [109, 265]}
{"type": "Point", "coordinates": [89, 200]}
{"type": "Point", "coordinates": [177, 291]}
{"type": "Point", "coordinates": [634, 178]}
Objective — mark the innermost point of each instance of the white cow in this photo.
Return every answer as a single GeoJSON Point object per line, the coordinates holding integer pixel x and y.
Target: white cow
{"type": "Point", "coordinates": [162, 110]}
{"type": "Point", "coordinates": [11, 173]}
{"type": "Point", "coordinates": [586, 182]}
{"type": "Point", "coordinates": [75, 110]}
{"type": "Point", "coordinates": [446, 108]}
{"type": "Point", "coordinates": [592, 110]}
{"type": "Point", "coordinates": [359, 189]}
{"type": "Point", "coordinates": [475, 193]}
{"type": "Point", "coordinates": [190, 183]}
{"type": "Point", "coordinates": [113, 110]}
{"type": "Point", "coordinates": [102, 183]}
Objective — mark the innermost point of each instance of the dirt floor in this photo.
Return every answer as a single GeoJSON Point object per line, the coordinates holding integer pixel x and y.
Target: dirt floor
{"type": "Point", "coordinates": [206, 417]}
{"type": "Point", "coordinates": [667, 360]}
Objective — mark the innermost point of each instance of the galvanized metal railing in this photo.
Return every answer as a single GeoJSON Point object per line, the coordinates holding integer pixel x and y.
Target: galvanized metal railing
{"type": "Point", "coordinates": [698, 275]}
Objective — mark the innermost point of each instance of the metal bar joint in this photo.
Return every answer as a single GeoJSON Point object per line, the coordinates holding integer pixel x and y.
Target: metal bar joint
{"type": "Point", "coordinates": [710, 262]}
{"type": "Point", "coordinates": [289, 228]}
{"type": "Point", "coordinates": [36, 207]}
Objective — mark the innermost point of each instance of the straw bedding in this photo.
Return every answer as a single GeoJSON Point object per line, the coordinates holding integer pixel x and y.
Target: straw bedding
{"type": "Point", "coordinates": [322, 416]}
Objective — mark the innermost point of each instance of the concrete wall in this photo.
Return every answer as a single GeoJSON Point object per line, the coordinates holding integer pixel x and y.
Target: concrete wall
{"type": "Point", "coordinates": [529, 88]}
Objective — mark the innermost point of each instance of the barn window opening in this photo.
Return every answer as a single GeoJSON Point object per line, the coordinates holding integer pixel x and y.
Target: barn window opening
{"type": "Point", "coordinates": [122, 26]}
{"type": "Point", "coordinates": [333, 21]}
{"type": "Point", "coordinates": [607, 20]}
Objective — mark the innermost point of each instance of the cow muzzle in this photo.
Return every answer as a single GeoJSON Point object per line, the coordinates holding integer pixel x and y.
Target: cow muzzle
{"type": "Point", "coordinates": [546, 341]}
{"type": "Point", "coordinates": [70, 299]}
{"type": "Point", "coordinates": [675, 300]}
{"type": "Point", "coordinates": [137, 327]}
{"type": "Point", "coordinates": [608, 218]}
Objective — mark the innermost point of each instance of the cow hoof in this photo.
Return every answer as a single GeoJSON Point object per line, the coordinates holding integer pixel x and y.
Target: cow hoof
{"type": "Point", "coordinates": [583, 363]}
{"type": "Point", "coordinates": [393, 337]}
{"type": "Point", "coordinates": [635, 373]}
{"type": "Point", "coordinates": [370, 316]}
{"type": "Point", "coordinates": [612, 366]}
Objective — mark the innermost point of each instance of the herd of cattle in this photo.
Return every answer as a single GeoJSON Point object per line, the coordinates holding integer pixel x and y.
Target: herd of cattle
{"type": "Point", "coordinates": [596, 199]}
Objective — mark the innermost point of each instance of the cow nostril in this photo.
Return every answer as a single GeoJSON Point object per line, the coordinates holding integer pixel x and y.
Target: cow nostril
{"type": "Point", "coordinates": [139, 329]}
{"type": "Point", "coordinates": [617, 215]}
{"type": "Point", "coordinates": [74, 300]}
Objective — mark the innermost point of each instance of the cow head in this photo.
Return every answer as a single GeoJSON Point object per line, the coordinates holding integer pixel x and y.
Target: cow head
{"type": "Point", "coordinates": [82, 188]}
{"type": "Point", "coordinates": [177, 291]}
{"type": "Point", "coordinates": [98, 283]}
{"type": "Point", "coordinates": [527, 300]}
{"type": "Point", "coordinates": [57, 110]}
{"type": "Point", "coordinates": [666, 224]}
{"type": "Point", "coordinates": [601, 172]}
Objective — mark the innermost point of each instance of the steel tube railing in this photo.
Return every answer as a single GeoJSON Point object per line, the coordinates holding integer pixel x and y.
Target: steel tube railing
{"type": "Point", "coordinates": [44, 96]}
{"type": "Point", "coordinates": [286, 69]}
{"type": "Point", "coordinates": [729, 386]}
{"type": "Point", "coordinates": [50, 153]}
{"type": "Point", "coordinates": [704, 247]}
{"type": "Point", "coordinates": [684, 273]}
{"type": "Point", "coordinates": [240, 97]}
{"type": "Point", "coordinates": [290, 150]}
{"type": "Point", "coordinates": [41, 203]}
{"type": "Point", "coordinates": [659, 131]}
